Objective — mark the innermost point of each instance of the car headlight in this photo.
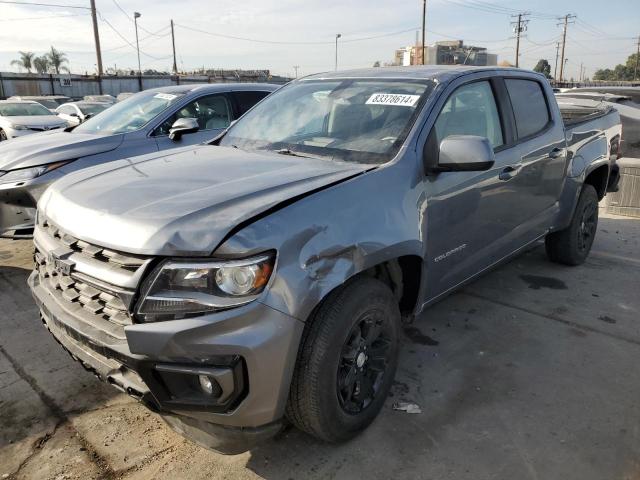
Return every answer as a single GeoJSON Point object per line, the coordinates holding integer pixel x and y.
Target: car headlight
{"type": "Point", "coordinates": [29, 173]}
{"type": "Point", "coordinates": [19, 127]}
{"type": "Point", "coordinates": [179, 289]}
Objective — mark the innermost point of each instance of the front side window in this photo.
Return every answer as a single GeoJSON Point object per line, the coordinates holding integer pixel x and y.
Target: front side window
{"type": "Point", "coordinates": [212, 112]}
{"type": "Point", "coordinates": [66, 109]}
{"type": "Point", "coordinates": [470, 110]}
{"type": "Point", "coordinates": [359, 120]}
{"type": "Point", "coordinates": [529, 106]}
{"type": "Point", "coordinates": [22, 110]}
{"type": "Point", "coordinates": [129, 115]}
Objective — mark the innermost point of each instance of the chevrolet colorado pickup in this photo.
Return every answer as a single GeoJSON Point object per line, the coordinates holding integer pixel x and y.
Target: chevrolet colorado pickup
{"type": "Point", "coordinates": [263, 278]}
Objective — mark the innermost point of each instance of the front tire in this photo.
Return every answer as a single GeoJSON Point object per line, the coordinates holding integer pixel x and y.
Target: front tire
{"type": "Point", "coordinates": [572, 245]}
{"type": "Point", "coordinates": [346, 362]}
{"type": "Point", "coordinates": [3, 135]}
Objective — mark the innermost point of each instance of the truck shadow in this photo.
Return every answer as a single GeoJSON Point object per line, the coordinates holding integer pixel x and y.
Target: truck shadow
{"type": "Point", "coordinates": [39, 383]}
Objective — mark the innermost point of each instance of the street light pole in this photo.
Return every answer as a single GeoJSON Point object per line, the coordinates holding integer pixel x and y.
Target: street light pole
{"type": "Point", "coordinates": [136, 15]}
{"type": "Point", "coordinates": [338, 35]}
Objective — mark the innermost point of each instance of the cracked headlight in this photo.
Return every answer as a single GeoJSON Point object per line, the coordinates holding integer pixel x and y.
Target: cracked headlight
{"type": "Point", "coordinates": [24, 174]}
{"type": "Point", "coordinates": [178, 289]}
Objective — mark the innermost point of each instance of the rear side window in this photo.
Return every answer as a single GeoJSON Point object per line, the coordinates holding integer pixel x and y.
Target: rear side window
{"type": "Point", "coordinates": [529, 106]}
{"type": "Point", "coordinates": [246, 100]}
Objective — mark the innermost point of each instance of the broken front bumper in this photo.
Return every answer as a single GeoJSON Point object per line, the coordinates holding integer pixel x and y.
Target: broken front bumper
{"type": "Point", "coordinates": [250, 352]}
{"type": "Point", "coordinates": [18, 205]}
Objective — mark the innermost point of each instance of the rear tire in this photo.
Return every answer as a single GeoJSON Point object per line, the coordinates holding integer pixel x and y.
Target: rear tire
{"type": "Point", "coordinates": [346, 362]}
{"type": "Point", "coordinates": [571, 246]}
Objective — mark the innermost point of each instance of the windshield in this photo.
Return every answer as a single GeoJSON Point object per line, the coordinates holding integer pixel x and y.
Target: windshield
{"type": "Point", "coordinates": [52, 104]}
{"type": "Point", "coordinates": [130, 115]}
{"type": "Point", "coordinates": [353, 120]}
{"type": "Point", "coordinates": [92, 109]}
{"type": "Point", "coordinates": [22, 110]}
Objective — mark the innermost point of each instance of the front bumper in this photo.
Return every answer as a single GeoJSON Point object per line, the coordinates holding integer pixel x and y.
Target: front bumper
{"type": "Point", "coordinates": [254, 347]}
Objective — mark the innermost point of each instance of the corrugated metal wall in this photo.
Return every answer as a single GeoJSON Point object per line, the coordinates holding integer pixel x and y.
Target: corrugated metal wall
{"type": "Point", "coordinates": [37, 84]}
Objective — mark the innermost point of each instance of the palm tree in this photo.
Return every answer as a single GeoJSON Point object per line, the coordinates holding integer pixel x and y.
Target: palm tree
{"type": "Point", "coordinates": [41, 64]}
{"type": "Point", "coordinates": [26, 61]}
{"type": "Point", "coordinates": [57, 59]}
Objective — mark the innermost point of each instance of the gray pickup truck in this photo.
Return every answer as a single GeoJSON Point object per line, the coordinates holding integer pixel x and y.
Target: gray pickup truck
{"type": "Point", "coordinates": [263, 278]}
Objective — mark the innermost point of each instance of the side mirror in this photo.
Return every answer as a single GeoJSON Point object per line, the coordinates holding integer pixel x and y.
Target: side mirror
{"type": "Point", "coordinates": [182, 126]}
{"type": "Point", "coordinates": [465, 153]}
{"type": "Point", "coordinates": [74, 115]}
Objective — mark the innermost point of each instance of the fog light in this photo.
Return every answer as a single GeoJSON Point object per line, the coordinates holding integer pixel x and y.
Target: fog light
{"type": "Point", "coordinates": [205, 384]}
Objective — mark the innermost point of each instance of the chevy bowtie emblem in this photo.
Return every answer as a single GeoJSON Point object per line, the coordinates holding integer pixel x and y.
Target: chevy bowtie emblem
{"type": "Point", "coordinates": [61, 263]}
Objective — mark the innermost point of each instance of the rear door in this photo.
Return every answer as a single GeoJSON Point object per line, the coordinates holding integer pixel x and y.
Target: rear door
{"type": "Point", "coordinates": [539, 170]}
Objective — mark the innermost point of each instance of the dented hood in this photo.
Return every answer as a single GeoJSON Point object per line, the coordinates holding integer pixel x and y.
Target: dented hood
{"type": "Point", "coordinates": [184, 202]}
{"type": "Point", "coordinates": [53, 146]}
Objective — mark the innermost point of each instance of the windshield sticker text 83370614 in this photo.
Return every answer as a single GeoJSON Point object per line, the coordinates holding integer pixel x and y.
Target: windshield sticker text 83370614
{"type": "Point", "coordinates": [396, 99]}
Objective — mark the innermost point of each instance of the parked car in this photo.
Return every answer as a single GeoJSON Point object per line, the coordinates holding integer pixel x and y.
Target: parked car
{"type": "Point", "coordinates": [262, 276]}
{"type": "Point", "coordinates": [77, 112]}
{"type": "Point", "coordinates": [21, 118]}
{"type": "Point", "coordinates": [50, 101]}
{"type": "Point", "coordinates": [100, 98]}
{"type": "Point", "coordinates": [150, 121]}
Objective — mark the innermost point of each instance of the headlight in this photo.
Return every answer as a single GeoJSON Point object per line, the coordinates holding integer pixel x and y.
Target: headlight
{"type": "Point", "coordinates": [179, 289]}
{"type": "Point", "coordinates": [24, 174]}
{"type": "Point", "coordinates": [19, 127]}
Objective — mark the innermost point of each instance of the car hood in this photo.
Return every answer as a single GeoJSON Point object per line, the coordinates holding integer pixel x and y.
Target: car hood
{"type": "Point", "coordinates": [36, 120]}
{"type": "Point", "coordinates": [184, 202]}
{"type": "Point", "coordinates": [53, 146]}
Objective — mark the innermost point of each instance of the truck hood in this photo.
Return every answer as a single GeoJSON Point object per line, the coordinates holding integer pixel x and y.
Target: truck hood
{"type": "Point", "coordinates": [182, 203]}
{"type": "Point", "coordinates": [53, 146]}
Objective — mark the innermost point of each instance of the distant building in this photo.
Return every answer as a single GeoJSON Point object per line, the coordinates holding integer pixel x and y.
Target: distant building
{"type": "Point", "coordinates": [450, 52]}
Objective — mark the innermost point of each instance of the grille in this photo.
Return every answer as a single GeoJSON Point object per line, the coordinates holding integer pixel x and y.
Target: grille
{"type": "Point", "coordinates": [127, 262]}
{"type": "Point", "coordinates": [84, 291]}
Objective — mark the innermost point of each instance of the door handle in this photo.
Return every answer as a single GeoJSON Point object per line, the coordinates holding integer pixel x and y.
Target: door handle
{"type": "Point", "coordinates": [509, 172]}
{"type": "Point", "coordinates": [556, 152]}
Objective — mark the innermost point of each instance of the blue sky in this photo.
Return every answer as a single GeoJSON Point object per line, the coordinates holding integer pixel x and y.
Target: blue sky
{"type": "Point", "coordinates": [601, 37]}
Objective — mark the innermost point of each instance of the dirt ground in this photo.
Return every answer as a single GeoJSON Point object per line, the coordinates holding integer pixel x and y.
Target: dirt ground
{"type": "Point", "coordinates": [531, 372]}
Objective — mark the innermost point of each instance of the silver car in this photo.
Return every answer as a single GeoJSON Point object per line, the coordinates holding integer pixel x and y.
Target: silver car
{"type": "Point", "coordinates": [20, 118]}
{"type": "Point", "coordinates": [149, 121]}
{"type": "Point", "coordinates": [75, 113]}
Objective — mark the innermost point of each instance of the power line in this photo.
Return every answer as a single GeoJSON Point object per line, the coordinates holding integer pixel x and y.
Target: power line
{"type": "Point", "coordinates": [45, 4]}
{"type": "Point", "coordinates": [124, 12]}
{"type": "Point", "coordinates": [49, 17]}
{"type": "Point", "coordinates": [115, 30]}
{"type": "Point", "coordinates": [282, 42]}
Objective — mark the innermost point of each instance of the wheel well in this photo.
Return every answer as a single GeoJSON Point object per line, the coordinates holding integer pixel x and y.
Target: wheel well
{"type": "Point", "coordinates": [598, 178]}
{"type": "Point", "coordinates": [402, 276]}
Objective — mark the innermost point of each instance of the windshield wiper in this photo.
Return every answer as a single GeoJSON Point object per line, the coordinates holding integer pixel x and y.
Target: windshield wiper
{"type": "Point", "coordinates": [286, 151]}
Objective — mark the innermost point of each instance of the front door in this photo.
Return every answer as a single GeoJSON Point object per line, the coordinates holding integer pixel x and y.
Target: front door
{"type": "Point", "coordinates": [469, 217]}
{"type": "Point", "coordinates": [213, 113]}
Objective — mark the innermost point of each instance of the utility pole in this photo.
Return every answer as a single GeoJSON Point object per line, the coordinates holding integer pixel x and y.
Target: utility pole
{"type": "Point", "coordinates": [565, 22]}
{"type": "Point", "coordinates": [555, 69]}
{"type": "Point", "coordinates": [338, 35]}
{"type": "Point", "coordinates": [296, 67]}
{"type": "Point", "coordinates": [173, 44]}
{"type": "Point", "coordinates": [580, 80]}
{"type": "Point", "coordinates": [96, 36]}
{"type": "Point", "coordinates": [136, 16]}
{"type": "Point", "coordinates": [635, 70]}
{"type": "Point", "coordinates": [424, 23]}
{"type": "Point", "coordinates": [519, 27]}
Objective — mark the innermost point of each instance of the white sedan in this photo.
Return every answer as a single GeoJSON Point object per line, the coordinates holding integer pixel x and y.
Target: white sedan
{"type": "Point", "coordinates": [77, 112]}
{"type": "Point", "coordinates": [18, 118]}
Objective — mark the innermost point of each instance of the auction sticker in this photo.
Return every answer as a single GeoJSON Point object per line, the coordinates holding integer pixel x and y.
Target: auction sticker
{"type": "Point", "coordinates": [397, 99]}
{"type": "Point", "coordinates": [165, 96]}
